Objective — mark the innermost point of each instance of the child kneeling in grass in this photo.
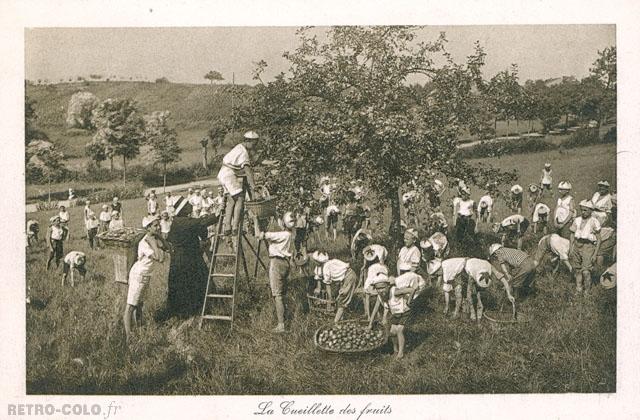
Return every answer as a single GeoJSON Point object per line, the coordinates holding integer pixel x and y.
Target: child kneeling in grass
{"type": "Point", "coordinates": [279, 269]}
{"type": "Point", "coordinates": [395, 300]}
{"type": "Point", "coordinates": [335, 271]}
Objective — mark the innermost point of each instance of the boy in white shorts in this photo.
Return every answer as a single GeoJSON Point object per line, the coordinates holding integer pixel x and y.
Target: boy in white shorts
{"type": "Point", "coordinates": [236, 161]}
{"type": "Point", "coordinates": [148, 251]}
{"type": "Point", "coordinates": [74, 261]}
{"type": "Point", "coordinates": [558, 247]}
{"type": "Point", "coordinates": [480, 273]}
{"type": "Point", "coordinates": [449, 272]}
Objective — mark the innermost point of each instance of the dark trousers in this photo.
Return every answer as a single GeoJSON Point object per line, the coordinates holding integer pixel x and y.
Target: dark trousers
{"type": "Point", "coordinates": [55, 253]}
{"type": "Point", "coordinates": [91, 234]}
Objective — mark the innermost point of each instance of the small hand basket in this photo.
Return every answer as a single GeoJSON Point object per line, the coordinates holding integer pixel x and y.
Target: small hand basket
{"type": "Point", "coordinates": [321, 303]}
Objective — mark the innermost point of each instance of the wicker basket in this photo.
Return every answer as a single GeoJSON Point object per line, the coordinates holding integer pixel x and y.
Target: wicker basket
{"type": "Point", "coordinates": [263, 207]}
{"type": "Point", "coordinates": [381, 342]}
{"type": "Point", "coordinates": [321, 304]}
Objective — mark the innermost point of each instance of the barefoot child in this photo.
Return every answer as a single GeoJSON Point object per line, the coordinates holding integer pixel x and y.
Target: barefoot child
{"type": "Point", "coordinates": [547, 179]}
{"type": "Point", "coordinates": [104, 218]}
{"type": "Point", "coordinates": [480, 274]}
{"type": "Point", "coordinates": [449, 272]}
{"type": "Point", "coordinates": [279, 269]}
{"type": "Point", "coordinates": [515, 265]}
{"type": "Point", "coordinates": [396, 301]}
{"type": "Point", "coordinates": [74, 261]}
{"type": "Point", "coordinates": [540, 217]}
{"type": "Point", "coordinates": [55, 236]}
{"type": "Point", "coordinates": [139, 276]}
{"type": "Point", "coordinates": [512, 228]}
{"type": "Point", "coordinates": [515, 199]}
{"type": "Point", "coordinates": [558, 247]}
{"type": "Point", "coordinates": [584, 244]}
{"type": "Point", "coordinates": [565, 210]}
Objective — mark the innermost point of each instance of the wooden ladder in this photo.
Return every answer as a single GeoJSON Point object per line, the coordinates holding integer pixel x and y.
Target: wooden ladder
{"type": "Point", "coordinates": [213, 295]}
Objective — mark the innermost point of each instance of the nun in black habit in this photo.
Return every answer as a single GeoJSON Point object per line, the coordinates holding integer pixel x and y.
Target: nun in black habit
{"type": "Point", "coordinates": [188, 271]}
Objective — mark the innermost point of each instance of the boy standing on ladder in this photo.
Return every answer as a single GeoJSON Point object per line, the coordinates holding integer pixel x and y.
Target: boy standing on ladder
{"type": "Point", "coordinates": [279, 255]}
{"type": "Point", "coordinates": [236, 161]}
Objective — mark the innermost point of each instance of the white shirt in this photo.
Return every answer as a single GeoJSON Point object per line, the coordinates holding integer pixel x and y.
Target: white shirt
{"type": "Point", "coordinates": [332, 209]}
{"type": "Point", "coordinates": [105, 216]}
{"type": "Point", "coordinates": [145, 252]}
{"type": "Point", "coordinates": [465, 207]}
{"type": "Point", "coordinates": [602, 202]}
{"type": "Point", "coordinates": [485, 199]}
{"type": "Point", "coordinates": [540, 207]}
{"type": "Point", "coordinates": [373, 271]}
{"type": "Point", "coordinates": [567, 203]}
{"type": "Point", "coordinates": [93, 223]}
{"type": "Point", "coordinates": [585, 229]}
{"type": "Point", "coordinates": [56, 232]}
{"type": "Point", "coordinates": [556, 244]}
{"type": "Point", "coordinates": [411, 279]}
{"type": "Point", "coordinates": [396, 304]}
{"type": "Point", "coordinates": [380, 251]}
{"type": "Point", "coordinates": [64, 216]}
{"type": "Point", "coordinates": [72, 257]}
{"type": "Point", "coordinates": [152, 205]}
{"type": "Point", "coordinates": [408, 259]}
{"type": "Point", "coordinates": [116, 224]}
{"type": "Point", "coordinates": [165, 225]}
{"type": "Point", "coordinates": [168, 201]}
{"type": "Point", "coordinates": [512, 220]}
{"type": "Point", "coordinates": [237, 157]}
{"type": "Point", "coordinates": [334, 271]}
{"type": "Point", "coordinates": [476, 267]}
{"type": "Point", "coordinates": [279, 243]}
{"type": "Point", "coordinates": [451, 268]}
{"type": "Point", "coordinates": [546, 176]}
{"type": "Point", "coordinates": [196, 202]}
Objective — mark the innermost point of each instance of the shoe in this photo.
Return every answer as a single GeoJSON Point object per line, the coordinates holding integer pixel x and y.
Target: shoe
{"type": "Point", "coordinates": [279, 330]}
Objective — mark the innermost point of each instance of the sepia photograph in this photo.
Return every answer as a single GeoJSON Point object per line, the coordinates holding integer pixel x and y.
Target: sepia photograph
{"type": "Point", "coordinates": [320, 210]}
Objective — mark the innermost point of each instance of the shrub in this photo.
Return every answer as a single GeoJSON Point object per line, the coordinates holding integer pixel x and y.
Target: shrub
{"type": "Point", "coordinates": [506, 147]}
{"type": "Point", "coordinates": [107, 194]}
{"type": "Point", "coordinates": [583, 137]}
{"type": "Point", "coordinates": [75, 132]}
{"type": "Point", "coordinates": [153, 178]}
{"type": "Point", "coordinates": [47, 205]}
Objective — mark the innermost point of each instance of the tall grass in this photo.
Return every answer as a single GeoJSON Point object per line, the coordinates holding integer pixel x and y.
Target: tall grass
{"type": "Point", "coordinates": [568, 345]}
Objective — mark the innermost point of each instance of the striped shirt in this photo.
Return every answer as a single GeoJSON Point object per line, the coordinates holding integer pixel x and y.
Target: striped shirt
{"type": "Point", "coordinates": [510, 256]}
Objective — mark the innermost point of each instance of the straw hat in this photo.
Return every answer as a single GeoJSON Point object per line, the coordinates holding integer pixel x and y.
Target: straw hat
{"type": "Point", "coordinates": [547, 165]}
{"type": "Point", "coordinates": [533, 188]}
{"type": "Point", "coordinates": [586, 204]}
{"type": "Point", "coordinates": [320, 257]}
{"type": "Point", "coordinates": [115, 213]}
{"type": "Point", "coordinates": [493, 248]}
{"type": "Point", "coordinates": [604, 184]}
{"type": "Point", "coordinates": [147, 220]}
{"type": "Point", "coordinates": [251, 135]}
{"type": "Point", "coordinates": [54, 219]}
{"type": "Point", "coordinates": [564, 185]}
{"type": "Point", "coordinates": [411, 232]}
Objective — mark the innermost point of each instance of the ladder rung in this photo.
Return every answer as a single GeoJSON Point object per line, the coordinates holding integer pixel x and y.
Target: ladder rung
{"type": "Point", "coordinates": [220, 317]}
{"type": "Point", "coordinates": [215, 295]}
{"type": "Point", "coordinates": [225, 255]}
{"type": "Point", "coordinates": [228, 275]}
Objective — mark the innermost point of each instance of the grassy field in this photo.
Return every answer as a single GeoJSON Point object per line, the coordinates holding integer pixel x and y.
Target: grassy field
{"type": "Point", "coordinates": [568, 345]}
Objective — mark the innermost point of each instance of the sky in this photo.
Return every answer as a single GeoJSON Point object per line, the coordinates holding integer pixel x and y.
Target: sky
{"type": "Point", "coordinates": [187, 54]}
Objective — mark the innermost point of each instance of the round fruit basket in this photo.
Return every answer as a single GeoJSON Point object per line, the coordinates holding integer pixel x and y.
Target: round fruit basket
{"type": "Point", "coordinates": [349, 337]}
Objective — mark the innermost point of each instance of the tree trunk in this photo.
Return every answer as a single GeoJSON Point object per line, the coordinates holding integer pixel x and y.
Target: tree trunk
{"type": "Point", "coordinates": [566, 122]}
{"type": "Point", "coordinates": [164, 179]}
{"type": "Point", "coordinates": [111, 164]}
{"type": "Point", "coordinates": [517, 127]}
{"type": "Point", "coordinates": [495, 125]}
{"type": "Point", "coordinates": [124, 171]}
{"type": "Point", "coordinates": [394, 226]}
{"type": "Point", "coordinates": [49, 182]}
{"type": "Point", "coordinates": [204, 157]}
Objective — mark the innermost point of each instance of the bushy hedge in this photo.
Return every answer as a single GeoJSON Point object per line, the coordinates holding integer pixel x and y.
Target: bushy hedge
{"type": "Point", "coordinates": [583, 137]}
{"type": "Point", "coordinates": [106, 195]}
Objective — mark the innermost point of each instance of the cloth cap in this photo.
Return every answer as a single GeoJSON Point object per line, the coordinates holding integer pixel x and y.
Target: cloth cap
{"type": "Point", "coordinates": [54, 218]}
{"type": "Point", "coordinates": [251, 135]}
{"type": "Point", "coordinates": [411, 232]}
{"type": "Point", "coordinates": [288, 221]}
{"type": "Point", "coordinates": [493, 248]}
{"type": "Point", "coordinates": [586, 204]}
{"type": "Point", "coordinates": [564, 185]}
{"type": "Point", "coordinates": [147, 220]}
{"type": "Point", "coordinates": [604, 184]}
{"type": "Point", "coordinates": [547, 165]}
{"type": "Point", "coordinates": [434, 265]}
{"type": "Point", "coordinates": [320, 257]}
{"type": "Point", "coordinates": [562, 214]}
{"type": "Point", "coordinates": [115, 212]}
{"type": "Point", "coordinates": [516, 189]}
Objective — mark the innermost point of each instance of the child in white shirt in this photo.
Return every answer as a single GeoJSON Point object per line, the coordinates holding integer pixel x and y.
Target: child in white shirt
{"type": "Point", "coordinates": [332, 271]}
{"type": "Point", "coordinates": [409, 256]}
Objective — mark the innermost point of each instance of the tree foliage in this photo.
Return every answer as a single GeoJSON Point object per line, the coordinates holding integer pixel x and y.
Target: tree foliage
{"type": "Point", "coordinates": [81, 105]}
{"type": "Point", "coordinates": [162, 139]}
{"type": "Point", "coordinates": [45, 163]}
{"type": "Point", "coordinates": [345, 108]}
{"type": "Point", "coordinates": [213, 76]}
{"type": "Point", "coordinates": [31, 130]}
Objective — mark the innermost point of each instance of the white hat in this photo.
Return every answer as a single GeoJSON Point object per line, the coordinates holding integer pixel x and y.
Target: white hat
{"type": "Point", "coordinates": [411, 232]}
{"type": "Point", "coordinates": [115, 212]}
{"type": "Point", "coordinates": [547, 165]}
{"type": "Point", "coordinates": [493, 248]}
{"type": "Point", "coordinates": [370, 252]}
{"type": "Point", "coordinates": [147, 220]}
{"type": "Point", "coordinates": [564, 185]}
{"type": "Point", "coordinates": [251, 135]}
{"type": "Point", "coordinates": [586, 204]}
{"type": "Point", "coordinates": [516, 189]}
{"type": "Point", "coordinates": [434, 265]}
{"type": "Point", "coordinates": [533, 188]}
{"type": "Point", "coordinates": [604, 184]}
{"type": "Point", "coordinates": [438, 186]}
{"type": "Point", "coordinates": [320, 257]}
{"type": "Point", "coordinates": [562, 214]}
{"type": "Point", "coordinates": [426, 244]}
{"type": "Point", "coordinates": [288, 221]}
{"type": "Point", "coordinates": [608, 278]}
{"type": "Point", "coordinates": [104, 207]}
{"type": "Point", "coordinates": [319, 220]}
{"type": "Point", "coordinates": [408, 196]}
{"type": "Point", "coordinates": [464, 189]}
{"type": "Point", "coordinates": [324, 179]}
{"type": "Point", "coordinates": [54, 218]}
{"type": "Point", "coordinates": [115, 198]}
{"type": "Point", "coordinates": [403, 223]}
{"type": "Point", "coordinates": [484, 204]}
{"type": "Point", "coordinates": [542, 208]}
{"type": "Point", "coordinates": [374, 271]}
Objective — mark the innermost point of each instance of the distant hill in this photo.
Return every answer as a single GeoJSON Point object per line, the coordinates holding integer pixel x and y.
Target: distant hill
{"type": "Point", "coordinates": [193, 106]}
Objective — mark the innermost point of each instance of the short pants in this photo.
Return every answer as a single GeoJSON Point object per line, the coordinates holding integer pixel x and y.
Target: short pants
{"type": "Point", "coordinates": [606, 247]}
{"type": "Point", "coordinates": [278, 275]}
{"type": "Point", "coordinates": [581, 255]}
{"type": "Point", "coordinates": [401, 318]}
{"type": "Point", "coordinates": [232, 183]}
{"type": "Point", "coordinates": [347, 288]}
{"type": "Point", "coordinates": [138, 284]}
